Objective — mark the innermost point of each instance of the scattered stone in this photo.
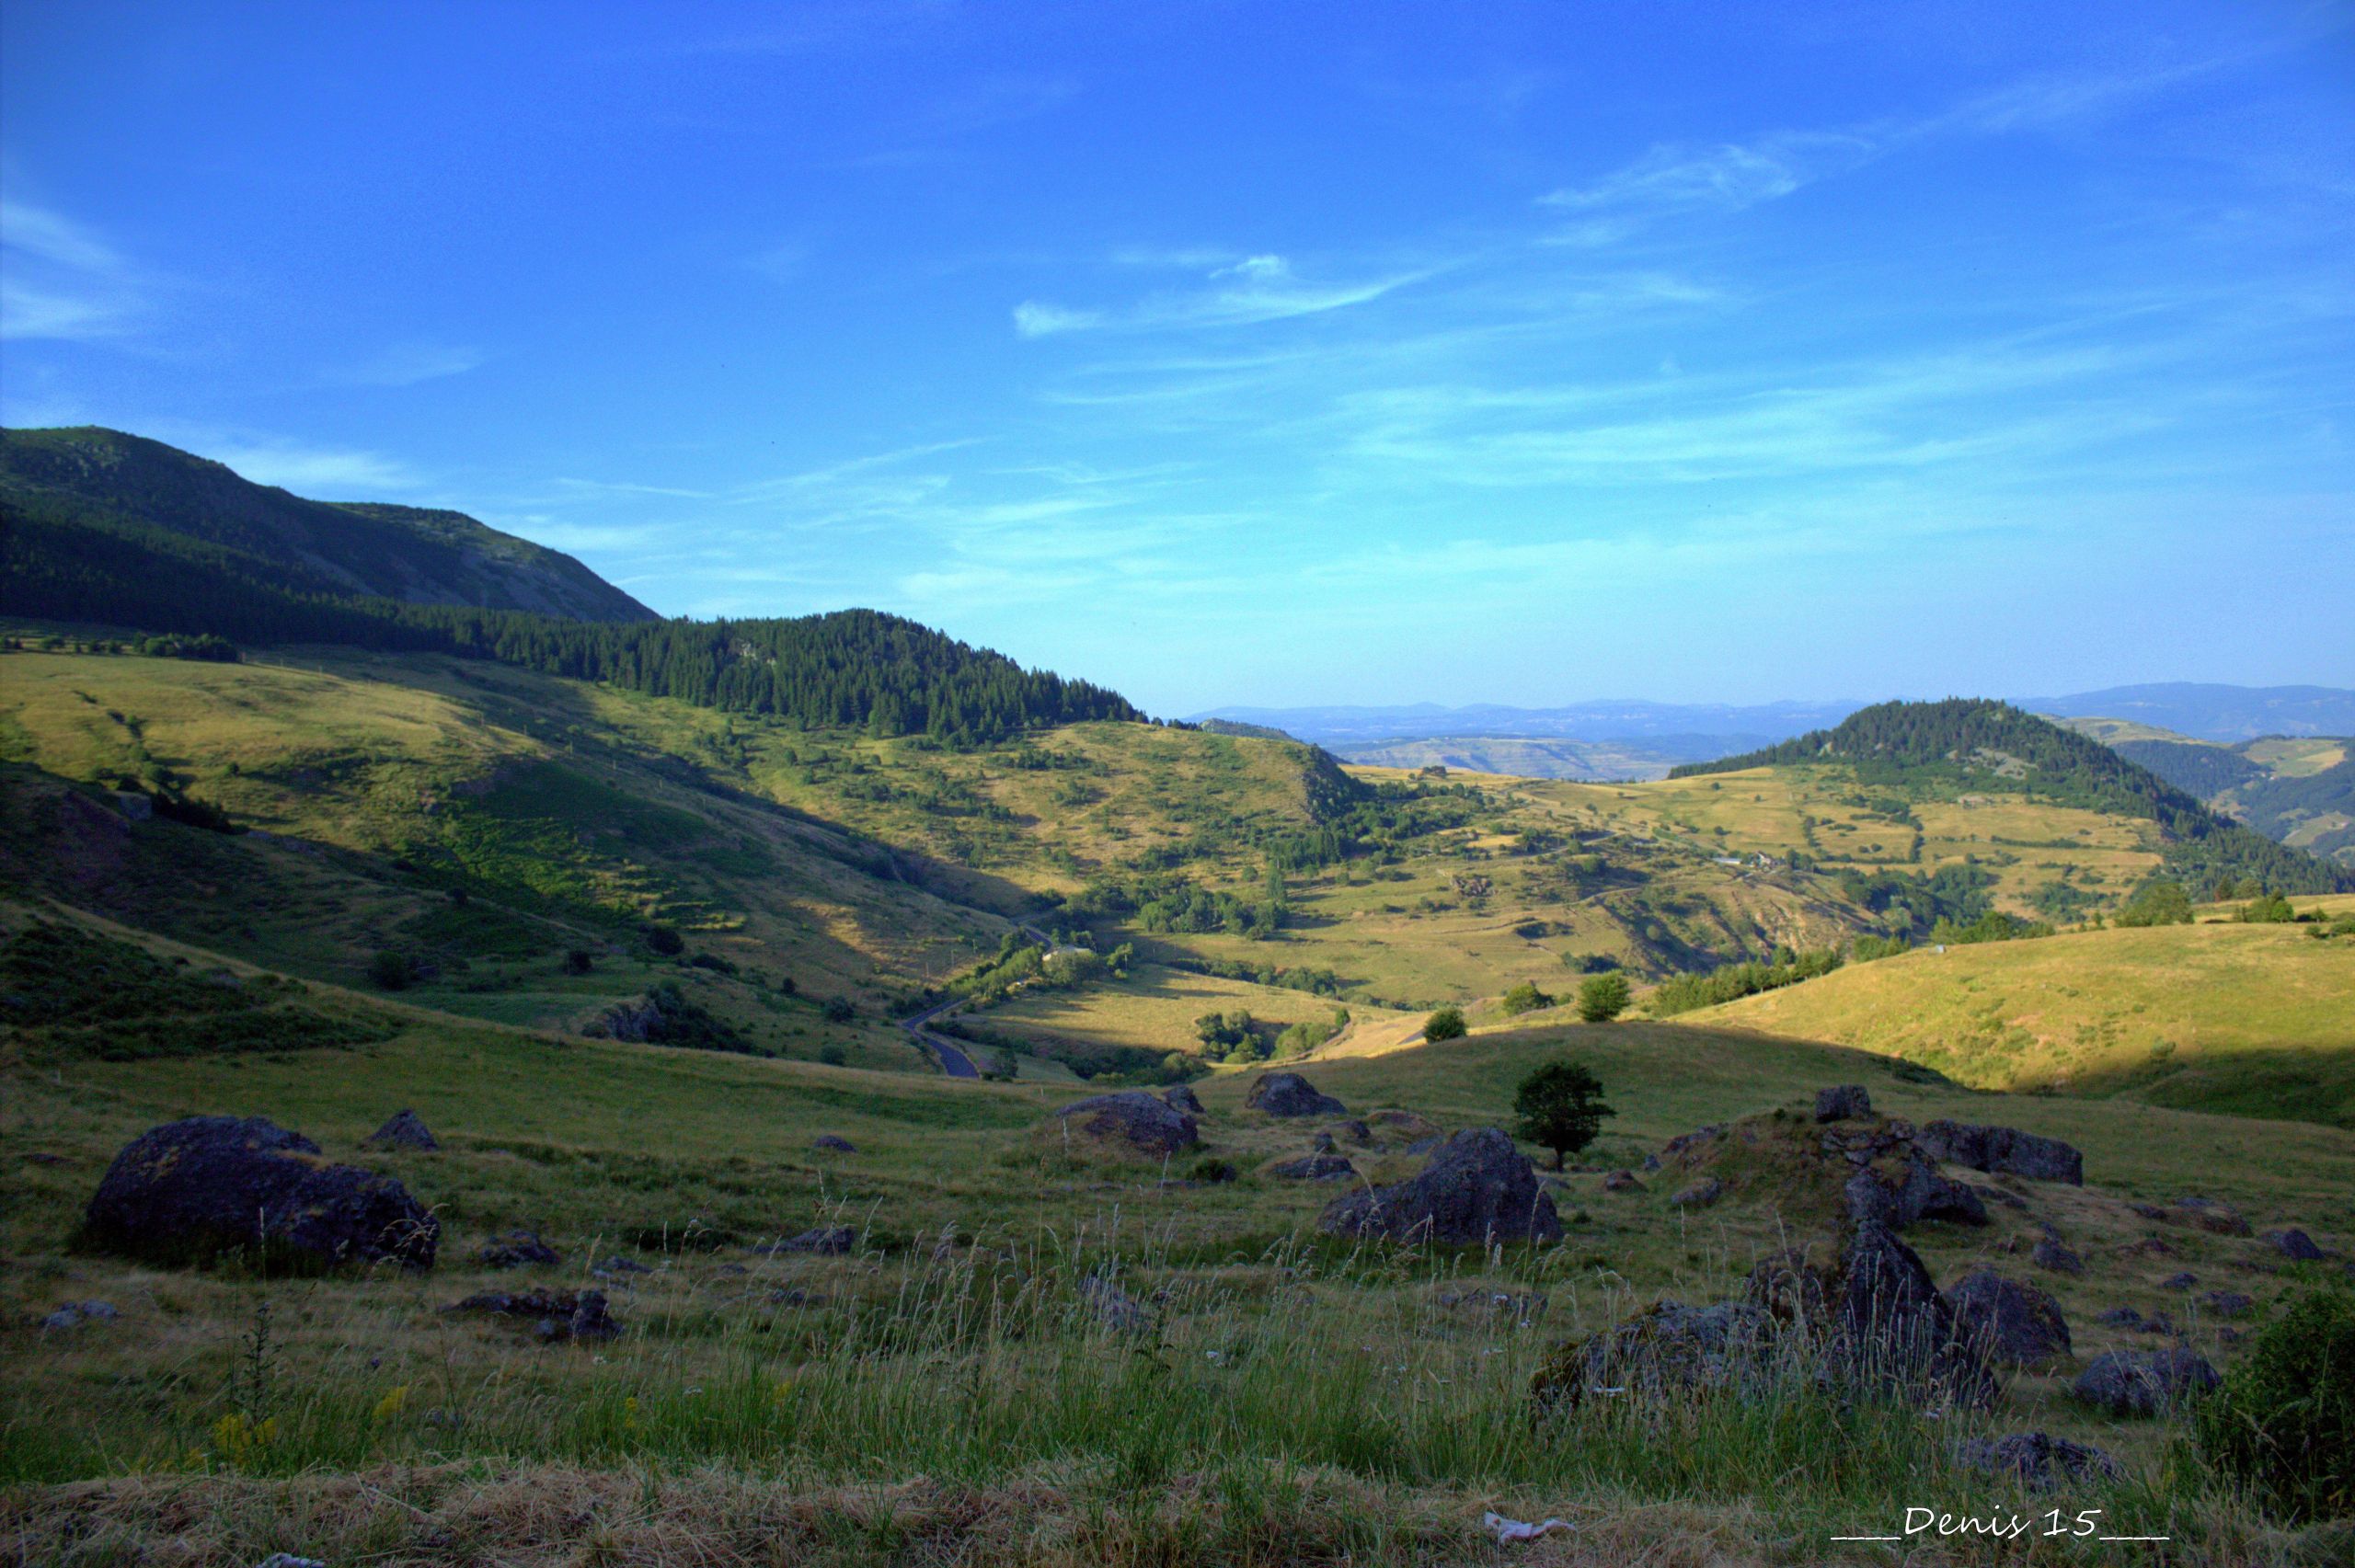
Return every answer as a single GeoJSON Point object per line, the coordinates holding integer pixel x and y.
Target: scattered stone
{"type": "Point", "coordinates": [1477, 1188]}
{"type": "Point", "coordinates": [1405, 1122]}
{"type": "Point", "coordinates": [1326, 1167]}
{"type": "Point", "coordinates": [1357, 1132]}
{"type": "Point", "coordinates": [2154, 1246]}
{"type": "Point", "coordinates": [1877, 1316]}
{"type": "Point", "coordinates": [74, 1314]}
{"type": "Point", "coordinates": [2148, 1210]}
{"type": "Point", "coordinates": [518, 1249]}
{"type": "Point", "coordinates": [2229, 1336]}
{"type": "Point", "coordinates": [1132, 1117]}
{"type": "Point", "coordinates": [1685, 1143]}
{"type": "Point", "coordinates": [288, 1559]}
{"type": "Point", "coordinates": [406, 1130]}
{"type": "Point", "coordinates": [618, 1265]}
{"type": "Point", "coordinates": [1113, 1307]}
{"type": "Point", "coordinates": [2228, 1303]}
{"type": "Point", "coordinates": [1290, 1095]}
{"type": "Point", "coordinates": [2005, 1150]}
{"type": "Point", "coordinates": [2050, 1255]}
{"type": "Point", "coordinates": [2209, 1214]}
{"type": "Point", "coordinates": [1622, 1182]}
{"type": "Point", "coordinates": [1845, 1103]}
{"type": "Point", "coordinates": [825, 1241]}
{"type": "Point", "coordinates": [2294, 1244]}
{"type": "Point", "coordinates": [2007, 1320]}
{"type": "Point", "coordinates": [1915, 1192]}
{"type": "Point", "coordinates": [2179, 1282]}
{"type": "Point", "coordinates": [2039, 1458]}
{"type": "Point", "coordinates": [191, 1190]}
{"type": "Point", "coordinates": [831, 1143]}
{"type": "Point", "coordinates": [552, 1315]}
{"type": "Point", "coordinates": [2143, 1382]}
{"type": "Point", "coordinates": [1670, 1350]}
{"type": "Point", "coordinates": [2161, 1324]}
{"type": "Point", "coordinates": [2120, 1318]}
{"type": "Point", "coordinates": [1179, 1097]}
{"type": "Point", "coordinates": [1700, 1195]}
{"type": "Point", "coordinates": [1321, 1144]}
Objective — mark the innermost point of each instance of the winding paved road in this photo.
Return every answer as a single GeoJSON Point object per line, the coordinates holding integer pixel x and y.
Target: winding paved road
{"type": "Point", "coordinates": [953, 1059]}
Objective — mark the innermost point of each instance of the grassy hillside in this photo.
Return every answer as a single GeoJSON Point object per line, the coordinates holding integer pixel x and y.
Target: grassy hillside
{"type": "Point", "coordinates": [2229, 1017]}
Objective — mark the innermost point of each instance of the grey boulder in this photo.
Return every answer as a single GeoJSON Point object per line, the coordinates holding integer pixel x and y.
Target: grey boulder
{"type": "Point", "coordinates": [2143, 1382]}
{"type": "Point", "coordinates": [1290, 1095]}
{"type": "Point", "coordinates": [1144, 1123]}
{"type": "Point", "coordinates": [2003, 1150]}
{"type": "Point", "coordinates": [2007, 1320]}
{"type": "Point", "coordinates": [1477, 1188]}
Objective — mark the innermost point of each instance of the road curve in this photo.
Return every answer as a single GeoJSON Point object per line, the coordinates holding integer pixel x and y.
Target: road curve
{"type": "Point", "coordinates": [953, 1059]}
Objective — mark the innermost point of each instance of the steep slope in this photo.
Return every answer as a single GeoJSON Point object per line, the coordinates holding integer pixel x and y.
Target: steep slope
{"type": "Point", "coordinates": [106, 480]}
{"type": "Point", "coordinates": [2252, 1018]}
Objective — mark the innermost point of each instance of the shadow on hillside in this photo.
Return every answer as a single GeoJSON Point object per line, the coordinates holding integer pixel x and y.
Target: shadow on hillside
{"type": "Point", "coordinates": [2309, 1085]}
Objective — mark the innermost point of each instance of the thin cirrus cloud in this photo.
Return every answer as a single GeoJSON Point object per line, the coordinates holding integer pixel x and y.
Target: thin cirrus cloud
{"type": "Point", "coordinates": [58, 279]}
{"type": "Point", "coordinates": [1239, 291]}
{"type": "Point", "coordinates": [408, 364]}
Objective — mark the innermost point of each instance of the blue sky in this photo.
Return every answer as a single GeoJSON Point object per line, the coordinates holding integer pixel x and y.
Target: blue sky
{"type": "Point", "coordinates": [1272, 354]}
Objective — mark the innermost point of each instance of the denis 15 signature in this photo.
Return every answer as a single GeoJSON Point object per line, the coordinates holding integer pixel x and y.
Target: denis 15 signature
{"type": "Point", "coordinates": [2084, 1524]}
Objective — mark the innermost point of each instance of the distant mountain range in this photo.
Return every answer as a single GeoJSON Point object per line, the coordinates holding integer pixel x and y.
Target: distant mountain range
{"type": "Point", "coordinates": [1608, 719]}
{"type": "Point", "coordinates": [2221, 714]}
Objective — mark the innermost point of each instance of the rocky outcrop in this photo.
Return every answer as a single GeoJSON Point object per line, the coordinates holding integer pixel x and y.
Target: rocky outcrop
{"type": "Point", "coordinates": [825, 1241]}
{"type": "Point", "coordinates": [1290, 1095]}
{"type": "Point", "coordinates": [518, 1249]}
{"type": "Point", "coordinates": [1845, 1103]}
{"type": "Point", "coordinates": [2143, 1382]}
{"type": "Point", "coordinates": [1320, 1167]}
{"type": "Point", "coordinates": [1131, 1120]}
{"type": "Point", "coordinates": [2003, 1150]}
{"type": "Point", "coordinates": [551, 1315]}
{"type": "Point", "coordinates": [1622, 1182]}
{"type": "Point", "coordinates": [2210, 1214]}
{"type": "Point", "coordinates": [2294, 1244]}
{"type": "Point", "coordinates": [1670, 1350]}
{"type": "Point", "coordinates": [830, 1143]}
{"type": "Point", "coordinates": [74, 1314]}
{"type": "Point", "coordinates": [208, 1187]}
{"type": "Point", "coordinates": [1179, 1097]}
{"type": "Point", "coordinates": [2052, 1255]}
{"type": "Point", "coordinates": [407, 1129]}
{"type": "Point", "coordinates": [2228, 1304]}
{"type": "Point", "coordinates": [1477, 1188]}
{"type": "Point", "coordinates": [1875, 1317]}
{"type": "Point", "coordinates": [2039, 1458]}
{"type": "Point", "coordinates": [2007, 1320]}
{"type": "Point", "coordinates": [1700, 1195]}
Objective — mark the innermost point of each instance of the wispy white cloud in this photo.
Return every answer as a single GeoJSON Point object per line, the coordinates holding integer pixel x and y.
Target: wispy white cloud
{"type": "Point", "coordinates": [407, 364]}
{"type": "Point", "coordinates": [1033, 318]}
{"type": "Point", "coordinates": [62, 280]}
{"type": "Point", "coordinates": [1729, 177]}
{"type": "Point", "coordinates": [1237, 291]}
{"type": "Point", "coordinates": [320, 471]}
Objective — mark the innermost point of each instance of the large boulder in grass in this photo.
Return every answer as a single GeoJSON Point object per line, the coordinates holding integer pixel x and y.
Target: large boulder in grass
{"type": "Point", "coordinates": [1847, 1102]}
{"type": "Point", "coordinates": [2007, 1320]}
{"type": "Point", "coordinates": [1129, 1121]}
{"type": "Point", "coordinates": [194, 1190]}
{"type": "Point", "coordinates": [2037, 1459]}
{"type": "Point", "coordinates": [1477, 1188]}
{"type": "Point", "coordinates": [1290, 1095]}
{"type": "Point", "coordinates": [1668, 1351]}
{"type": "Point", "coordinates": [2210, 1214]}
{"type": "Point", "coordinates": [2003, 1150]}
{"type": "Point", "coordinates": [406, 1129]}
{"type": "Point", "coordinates": [1874, 1318]}
{"type": "Point", "coordinates": [2144, 1382]}
{"type": "Point", "coordinates": [1914, 1191]}
{"type": "Point", "coordinates": [1181, 1098]}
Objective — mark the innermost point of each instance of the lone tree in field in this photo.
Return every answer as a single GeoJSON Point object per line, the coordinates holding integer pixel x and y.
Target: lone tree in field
{"type": "Point", "coordinates": [1603, 998]}
{"type": "Point", "coordinates": [1447, 1024]}
{"type": "Point", "coordinates": [1560, 1107]}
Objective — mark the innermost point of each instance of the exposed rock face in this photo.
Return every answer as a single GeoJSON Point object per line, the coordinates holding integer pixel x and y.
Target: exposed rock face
{"type": "Point", "coordinates": [518, 1249]}
{"type": "Point", "coordinates": [1845, 1103]}
{"type": "Point", "coordinates": [2209, 1214]}
{"type": "Point", "coordinates": [1670, 1349]}
{"type": "Point", "coordinates": [1622, 1182]}
{"type": "Point", "coordinates": [2295, 1245]}
{"type": "Point", "coordinates": [1177, 1097]}
{"type": "Point", "coordinates": [1477, 1188]}
{"type": "Point", "coordinates": [1684, 1143]}
{"type": "Point", "coordinates": [1290, 1095]}
{"type": "Point", "coordinates": [2051, 1254]}
{"type": "Point", "coordinates": [406, 1130]}
{"type": "Point", "coordinates": [1131, 1119]}
{"type": "Point", "coordinates": [2007, 1320]}
{"type": "Point", "coordinates": [1877, 1316]}
{"type": "Point", "coordinates": [194, 1189]}
{"type": "Point", "coordinates": [1912, 1192]}
{"type": "Point", "coordinates": [831, 1144]}
{"type": "Point", "coordinates": [2143, 1382]}
{"type": "Point", "coordinates": [2039, 1458]}
{"type": "Point", "coordinates": [552, 1315]}
{"type": "Point", "coordinates": [1700, 1195]}
{"type": "Point", "coordinates": [1325, 1167]}
{"type": "Point", "coordinates": [826, 1240]}
{"type": "Point", "coordinates": [2003, 1150]}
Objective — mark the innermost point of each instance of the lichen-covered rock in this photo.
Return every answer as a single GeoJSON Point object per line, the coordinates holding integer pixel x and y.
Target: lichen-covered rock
{"type": "Point", "coordinates": [1845, 1103]}
{"type": "Point", "coordinates": [1179, 1097]}
{"type": "Point", "coordinates": [1876, 1317]}
{"type": "Point", "coordinates": [1912, 1192]}
{"type": "Point", "coordinates": [2294, 1244]}
{"type": "Point", "coordinates": [1129, 1120]}
{"type": "Point", "coordinates": [207, 1187]}
{"type": "Point", "coordinates": [2003, 1150]}
{"type": "Point", "coordinates": [1622, 1182]}
{"type": "Point", "coordinates": [2144, 1382]}
{"type": "Point", "coordinates": [1290, 1095]}
{"type": "Point", "coordinates": [1700, 1195]}
{"type": "Point", "coordinates": [518, 1249]}
{"type": "Point", "coordinates": [2039, 1459]}
{"type": "Point", "coordinates": [2050, 1253]}
{"type": "Point", "coordinates": [1477, 1188]}
{"type": "Point", "coordinates": [2007, 1320]}
{"type": "Point", "coordinates": [2208, 1214]}
{"type": "Point", "coordinates": [1321, 1167]}
{"type": "Point", "coordinates": [551, 1315]}
{"type": "Point", "coordinates": [74, 1314]}
{"type": "Point", "coordinates": [406, 1129]}
{"type": "Point", "coordinates": [1668, 1350]}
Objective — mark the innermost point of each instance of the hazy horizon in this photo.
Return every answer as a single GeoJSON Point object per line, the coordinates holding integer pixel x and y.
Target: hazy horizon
{"type": "Point", "coordinates": [1265, 358]}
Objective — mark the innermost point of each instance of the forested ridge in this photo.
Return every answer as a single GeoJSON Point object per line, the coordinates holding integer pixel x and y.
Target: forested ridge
{"type": "Point", "coordinates": [1981, 745]}
{"type": "Point", "coordinates": [65, 558]}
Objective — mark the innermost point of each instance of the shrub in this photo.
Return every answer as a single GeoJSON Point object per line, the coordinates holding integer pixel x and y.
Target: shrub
{"type": "Point", "coordinates": [2284, 1421]}
{"type": "Point", "coordinates": [391, 971]}
{"type": "Point", "coordinates": [1560, 1107]}
{"type": "Point", "coordinates": [838, 1010]}
{"type": "Point", "coordinates": [1211, 1169]}
{"type": "Point", "coordinates": [2157, 903]}
{"type": "Point", "coordinates": [1603, 998]}
{"type": "Point", "coordinates": [1524, 997]}
{"type": "Point", "coordinates": [665, 940]}
{"type": "Point", "coordinates": [833, 1056]}
{"type": "Point", "coordinates": [578, 961]}
{"type": "Point", "coordinates": [1447, 1024]}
